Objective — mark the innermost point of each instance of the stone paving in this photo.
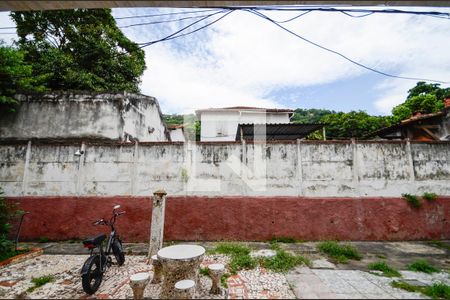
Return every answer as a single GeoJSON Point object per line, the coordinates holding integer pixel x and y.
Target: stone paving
{"type": "Point", "coordinates": [323, 280]}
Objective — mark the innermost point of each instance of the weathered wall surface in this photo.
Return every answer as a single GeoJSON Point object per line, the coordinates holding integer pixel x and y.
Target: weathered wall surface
{"type": "Point", "coordinates": [319, 169]}
{"type": "Point", "coordinates": [85, 115]}
{"type": "Point", "coordinates": [240, 218]}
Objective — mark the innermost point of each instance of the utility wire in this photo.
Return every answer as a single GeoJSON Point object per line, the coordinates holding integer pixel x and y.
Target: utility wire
{"type": "Point", "coordinates": [168, 14]}
{"type": "Point", "coordinates": [164, 21]}
{"type": "Point", "coordinates": [261, 15]}
{"type": "Point", "coordinates": [174, 35]}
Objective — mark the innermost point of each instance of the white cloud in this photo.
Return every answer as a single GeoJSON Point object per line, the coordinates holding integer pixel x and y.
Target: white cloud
{"type": "Point", "coordinates": [243, 58]}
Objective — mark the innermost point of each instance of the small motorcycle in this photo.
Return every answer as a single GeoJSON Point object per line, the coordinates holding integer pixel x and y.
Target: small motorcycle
{"type": "Point", "coordinates": [99, 260]}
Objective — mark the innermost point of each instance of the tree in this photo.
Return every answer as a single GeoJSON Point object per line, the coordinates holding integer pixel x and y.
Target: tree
{"type": "Point", "coordinates": [81, 49]}
{"type": "Point", "coordinates": [424, 98]}
{"type": "Point", "coordinates": [354, 124]}
{"type": "Point", "coordinates": [312, 115]}
{"type": "Point", "coordinates": [15, 76]}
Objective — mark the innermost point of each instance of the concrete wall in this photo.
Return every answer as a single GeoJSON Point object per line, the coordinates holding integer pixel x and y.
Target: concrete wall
{"type": "Point", "coordinates": [312, 169]}
{"type": "Point", "coordinates": [222, 125]}
{"type": "Point", "coordinates": [119, 116]}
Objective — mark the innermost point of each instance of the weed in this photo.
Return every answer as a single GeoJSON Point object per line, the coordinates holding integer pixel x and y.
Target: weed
{"type": "Point", "coordinates": [439, 244]}
{"type": "Point", "coordinates": [412, 200]}
{"type": "Point", "coordinates": [223, 280]}
{"type": "Point", "coordinates": [385, 268]}
{"type": "Point", "coordinates": [429, 196]}
{"type": "Point", "coordinates": [242, 262]}
{"type": "Point", "coordinates": [240, 256]}
{"type": "Point", "coordinates": [283, 261]}
{"type": "Point", "coordinates": [437, 290]}
{"type": "Point", "coordinates": [341, 253]}
{"type": "Point", "coordinates": [382, 256]}
{"type": "Point", "coordinates": [422, 266]}
{"type": "Point", "coordinates": [204, 271]}
{"type": "Point", "coordinates": [184, 175]}
{"type": "Point", "coordinates": [43, 239]}
{"type": "Point", "coordinates": [283, 239]}
{"type": "Point", "coordinates": [231, 249]}
{"type": "Point", "coordinates": [40, 281]}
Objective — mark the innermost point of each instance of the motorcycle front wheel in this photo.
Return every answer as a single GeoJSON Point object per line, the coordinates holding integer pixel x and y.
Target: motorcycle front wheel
{"type": "Point", "coordinates": [118, 252]}
{"type": "Point", "coordinates": [92, 276]}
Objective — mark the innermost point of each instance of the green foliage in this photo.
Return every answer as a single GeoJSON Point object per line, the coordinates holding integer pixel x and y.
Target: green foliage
{"type": "Point", "coordinates": [40, 281]}
{"type": "Point", "coordinates": [204, 271]}
{"type": "Point", "coordinates": [440, 244]}
{"type": "Point", "coordinates": [354, 124]}
{"type": "Point", "coordinates": [43, 239]}
{"type": "Point", "coordinates": [16, 76]}
{"type": "Point", "coordinates": [7, 211]}
{"type": "Point", "coordinates": [429, 196]}
{"type": "Point", "coordinates": [223, 280]}
{"type": "Point", "coordinates": [80, 49]}
{"type": "Point", "coordinates": [283, 239]}
{"type": "Point", "coordinates": [422, 266]}
{"type": "Point", "coordinates": [423, 103]}
{"type": "Point", "coordinates": [438, 290]}
{"type": "Point", "coordinates": [341, 253]}
{"type": "Point", "coordinates": [423, 88]}
{"type": "Point", "coordinates": [283, 261]}
{"type": "Point", "coordinates": [191, 125]}
{"type": "Point", "coordinates": [240, 256]}
{"type": "Point", "coordinates": [382, 256]}
{"type": "Point", "coordinates": [310, 116]}
{"type": "Point", "coordinates": [412, 200]}
{"type": "Point", "coordinates": [385, 268]}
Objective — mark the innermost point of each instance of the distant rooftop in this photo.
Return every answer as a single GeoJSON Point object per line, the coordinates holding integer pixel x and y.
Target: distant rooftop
{"type": "Point", "coordinates": [241, 108]}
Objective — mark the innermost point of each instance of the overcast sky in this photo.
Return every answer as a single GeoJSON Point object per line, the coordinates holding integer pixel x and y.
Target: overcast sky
{"type": "Point", "coordinates": [245, 60]}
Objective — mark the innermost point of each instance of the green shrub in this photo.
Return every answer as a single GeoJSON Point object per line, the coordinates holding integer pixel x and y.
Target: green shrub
{"type": "Point", "coordinates": [283, 239]}
{"type": "Point", "coordinates": [405, 286]}
{"type": "Point", "coordinates": [341, 253]}
{"type": "Point", "coordinates": [429, 196]}
{"type": "Point", "coordinates": [240, 256]}
{"type": "Point", "coordinates": [223, 280]}
{"type": "Point", "coordinates": [412, 200]}
{"type": "Point", "coordinates": [204, 271]}
{"type": "Point", "coordinates": [422, 266]}
{"type": "Point", "coordinates": [7, 211]}
{"type": "Point", "coordinates": [231, 249]}
{"type": "Point", "coordinates": [283, 261]}
{"type": "Point", "coordinates": [385, 268]}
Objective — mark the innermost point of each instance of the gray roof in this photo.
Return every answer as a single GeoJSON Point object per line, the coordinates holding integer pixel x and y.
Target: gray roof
{"type": "Point", "coordinates": [287, 131]}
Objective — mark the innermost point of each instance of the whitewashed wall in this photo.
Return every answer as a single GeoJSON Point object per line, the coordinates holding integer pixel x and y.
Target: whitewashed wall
{"type": "Point", "coordinates": [284, 169]}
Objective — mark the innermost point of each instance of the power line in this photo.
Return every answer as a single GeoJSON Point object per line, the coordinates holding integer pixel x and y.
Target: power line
{"type": "Point", "coordinates": [168, 14]}
{"type": "Point", "coordinates": [174, 35]}
{"type": "Point", "coordinates": [163, 21]}
{"type": "Point", "coordinates": [261, 15]}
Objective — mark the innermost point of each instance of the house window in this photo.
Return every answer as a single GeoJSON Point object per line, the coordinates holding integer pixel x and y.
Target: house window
{"type": "Point", "coordinates": [221, 128]}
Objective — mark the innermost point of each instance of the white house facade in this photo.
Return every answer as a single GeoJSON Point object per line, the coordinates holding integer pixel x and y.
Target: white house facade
{"type": "Point", "coordinates": [220, 124]}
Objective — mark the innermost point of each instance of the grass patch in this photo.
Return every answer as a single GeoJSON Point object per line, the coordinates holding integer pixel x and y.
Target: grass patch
{"type": "Point", "coordinates": [43, 239]}
{"type": "Point", "coordinates": [429, 196]}
{"type": "Point", "coordinates": [284, 239]}
{"type": "Point", "coordinates": [40, 281]}
{"type": "Point", "coordinates": [439, 244]}
{"type": "Point", "coordinates": [382, 256]}
{"type": "Point", "coordinates": [438, 290]}
{"type": "Point", "coordinates": [283, 261]}
{"type": "Point", "coordinates": [204, 271]}
{"type": "Point", "coordinates": [385, 268]}
{"type": "Point", "coordinates": [341, 253]}
{"type": "Point", "coordinates": [412, 200]}
{"type": "Point", "coordinates": [240, 256]}
{"type": "Point", "coordinates": [223, 280]}
{"type": "Point", "coordinates": [422, 266]}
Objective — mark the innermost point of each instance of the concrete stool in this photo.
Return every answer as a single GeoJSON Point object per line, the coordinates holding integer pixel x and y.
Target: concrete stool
{"type": "Point", "coordinates": [157, 270]}
{"type": "Point", "coordinates": [185, 289]}
{"type": "Point", "coordinates": [215, 272]}
{"type": "Point", "coordinates": [138, 282]}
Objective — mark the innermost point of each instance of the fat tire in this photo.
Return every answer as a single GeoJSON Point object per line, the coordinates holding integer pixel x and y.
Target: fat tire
{"type": "Point", "coordinates": [118, 252]}
{"type": "Point", "coordinates": [93, 273]}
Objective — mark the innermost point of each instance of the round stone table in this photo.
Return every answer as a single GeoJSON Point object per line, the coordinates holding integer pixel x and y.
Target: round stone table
{"type": "Point", "coordinates": [179, 262]}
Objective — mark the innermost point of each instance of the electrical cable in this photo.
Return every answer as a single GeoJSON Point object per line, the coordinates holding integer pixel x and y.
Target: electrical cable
{"type": "Point", "coordinates": [261, 15]}
{"type": "Point", "coordinates": [167, 14]}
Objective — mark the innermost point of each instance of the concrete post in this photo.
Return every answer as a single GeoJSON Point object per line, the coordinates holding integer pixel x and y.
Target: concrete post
{"type": "Point", "coordinates": [410, 161]}
{"type": "Point", "coordinates": [300, 167]}
{"type": "Point", "coordinates": [157, 227]}
{"type": "Point", "coordinates": [25, 169]}
{"type": "Point", "coordinates": [355, 168]}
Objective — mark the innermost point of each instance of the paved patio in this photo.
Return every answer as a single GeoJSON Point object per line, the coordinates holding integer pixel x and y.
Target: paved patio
{"type": "Point", "coordinates": [323, 280]}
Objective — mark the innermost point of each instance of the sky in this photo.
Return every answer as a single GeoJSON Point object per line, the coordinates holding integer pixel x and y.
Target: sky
{"type": "Point", "coordinates": [244, 60]}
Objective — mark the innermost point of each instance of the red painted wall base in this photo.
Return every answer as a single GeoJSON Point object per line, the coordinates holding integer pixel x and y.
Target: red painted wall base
{"type": "Point", "coordinates": [240, 218]}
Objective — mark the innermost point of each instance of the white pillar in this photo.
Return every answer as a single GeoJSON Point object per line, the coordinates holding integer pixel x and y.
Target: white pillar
{"type": "Point", "coordinates": [157, 227]}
